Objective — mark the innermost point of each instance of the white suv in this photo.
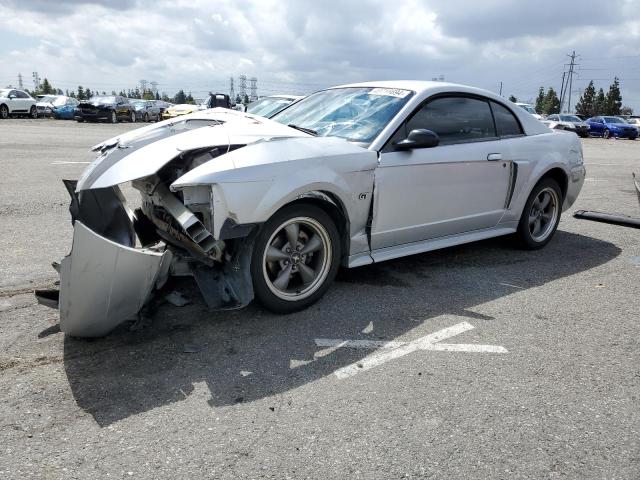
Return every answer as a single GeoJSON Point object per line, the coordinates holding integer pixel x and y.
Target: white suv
{"type": "Point", "coordinates": [16, 102]}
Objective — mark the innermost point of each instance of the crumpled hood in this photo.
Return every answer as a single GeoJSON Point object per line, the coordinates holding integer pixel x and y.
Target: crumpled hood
{"type": "Point", "coordinates": [142, 152]}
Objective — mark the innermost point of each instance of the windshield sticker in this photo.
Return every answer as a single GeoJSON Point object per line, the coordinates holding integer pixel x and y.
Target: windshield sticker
{"type": "Point", "coordinates": [390, 92]}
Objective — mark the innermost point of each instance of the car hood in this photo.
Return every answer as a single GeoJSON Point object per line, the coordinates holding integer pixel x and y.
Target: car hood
{"type": "Point", "coordinates": [144, 151]}
{"type": "Point", "coordinates": [45, 104]}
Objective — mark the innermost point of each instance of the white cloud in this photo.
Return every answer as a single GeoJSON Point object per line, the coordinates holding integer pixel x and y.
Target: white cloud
{"type": "Point", "coordinates": [300, 46]}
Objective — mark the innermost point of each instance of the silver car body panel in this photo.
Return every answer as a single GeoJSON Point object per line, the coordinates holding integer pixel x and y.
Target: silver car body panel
{"type": "Point", "coordinates": [103, 283]}
{"type": "Point", "coordinates": [394, 203]}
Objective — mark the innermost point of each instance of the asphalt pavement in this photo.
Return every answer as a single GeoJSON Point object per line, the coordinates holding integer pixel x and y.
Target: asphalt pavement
{"type": "Point", "coordinates": [479, 361]}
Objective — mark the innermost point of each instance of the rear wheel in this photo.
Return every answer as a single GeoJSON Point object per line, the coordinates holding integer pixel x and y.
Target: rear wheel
{"type": "Point", "coordinates": [606, 134]}
{"type": "Point", "coordinates": [145, 118]}
{"type": "Point", "coordinates": [114, 117]}
{"type": "Point", "coordinates": [33, 112]}
{"type": "Point", "coordinates": [132, 117]}
{"type": "Point", "coordinates": [4, 112]}
{"type": "Point", "coordinates": [541, 215]}
{"type": "Point", "coordinates": [295, 258]}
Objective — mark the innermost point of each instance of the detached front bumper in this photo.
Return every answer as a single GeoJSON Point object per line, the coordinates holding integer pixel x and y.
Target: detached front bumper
{"type": "Point", "coordinates": [103, 283]}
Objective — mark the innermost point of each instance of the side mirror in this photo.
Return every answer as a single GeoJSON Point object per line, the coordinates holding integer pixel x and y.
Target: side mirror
{"type": "Point", "coordinates": [419, 138]}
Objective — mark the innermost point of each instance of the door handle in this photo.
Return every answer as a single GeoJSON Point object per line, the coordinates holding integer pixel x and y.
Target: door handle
{"type": "Point", "coordinates": [494, 157]}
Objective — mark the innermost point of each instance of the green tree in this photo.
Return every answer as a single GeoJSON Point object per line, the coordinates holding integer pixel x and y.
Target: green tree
{"type": "Point", "coordinates": [626, 111]}
{"type": "Point", "coordinates": [238, 99]}
{"type": "Point", "coordinates": [80, 95]}
{"type": "Point", "coordinates": [540, 100]}
{"type": "Point", "coordinates": [180, 97]}
{"type": "Point", "coordinates": [189, 99]}
{"type": "Point", "coordinates": [46, 87]}
{"type": "Point", "coordinates": [551, 103]}
{"type": "Point", "coordinates": [88, 93]}
{"type": "Point", "coordinates": [148, 95]}
{"type": "Point", "coordinates": [512, 99]}
{"type": "Point", "coordinates": [613, 102]}
{"type": "Point", "coordinates": [157, 96]}
{"type": "Point", "coordinates": [246, 99]}
{"type": "Point", "coordinates": [587, 104]}
{"type": "Point", "coordinates": [600, 103]}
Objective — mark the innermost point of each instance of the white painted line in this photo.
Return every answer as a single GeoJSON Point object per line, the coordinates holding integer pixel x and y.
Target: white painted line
{"type": "Point", "coordinates": [607, 164]}
{"type": "Point", "coordinates": [61, 162]}
{"type": "Point", "coordinates": [510, 285]}
{"type": "Point", "coordinates": [368, 328]}
{"type": "Point", "coordinates": [393, 350]}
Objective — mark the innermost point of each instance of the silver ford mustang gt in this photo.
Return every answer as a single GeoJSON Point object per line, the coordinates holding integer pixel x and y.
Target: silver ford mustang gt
{"type": "Point", "coordinates": [270, 209]}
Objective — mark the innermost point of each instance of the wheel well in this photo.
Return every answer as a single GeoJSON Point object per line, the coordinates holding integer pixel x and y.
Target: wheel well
{"type": "Point", "coordinates": [334, 208]}
{"type": "Point", "coordinates": [560, 177]}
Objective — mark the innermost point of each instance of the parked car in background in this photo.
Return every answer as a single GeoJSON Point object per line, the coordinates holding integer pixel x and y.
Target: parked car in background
{"type": "Point", "coordinates": [635, 121]}
{"type": "Point", "coordinates": [268, 106]}
{"type": "Point", "coordinates": [180, 109]}
{"type": "Point", "coordinates": [221, 100]}
{"type": "Point", "coordinates": [162, 105]}
{"type": "Point", "coordinates": [529, 109]}
{"type": "Point", "coordinates": [17, 102]}
{"type": "Point", "coordinates": [611, 127]}
{"type": "Point", "coordinates": [146, 110]}
{"type": "Point", "coordinates": [270, 208]}
{"type": "Point", "coordinates": [57, 106]}
{"type": "Point", "coordinates": [109, 108]}
{"type": "Point", "coordinates": [568, 122]}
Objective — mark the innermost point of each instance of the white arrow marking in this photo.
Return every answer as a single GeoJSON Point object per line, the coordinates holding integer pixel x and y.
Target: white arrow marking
{"type": "Point", "coordinates": [400, 349]}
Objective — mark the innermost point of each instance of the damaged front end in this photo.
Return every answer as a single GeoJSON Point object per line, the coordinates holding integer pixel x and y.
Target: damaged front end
{"type": "Point", "coordinates": [120, 258]}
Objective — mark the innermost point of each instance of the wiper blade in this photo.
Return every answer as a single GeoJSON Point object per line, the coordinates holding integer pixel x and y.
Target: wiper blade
{"type": "Point", "coordinates": [305, 130]}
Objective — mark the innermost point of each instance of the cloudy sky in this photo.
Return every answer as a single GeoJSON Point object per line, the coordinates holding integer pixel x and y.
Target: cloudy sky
{"type": "Point", "coordinates": [299, 46]}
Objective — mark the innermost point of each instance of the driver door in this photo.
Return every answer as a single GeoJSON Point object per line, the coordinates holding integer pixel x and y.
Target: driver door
{"type": "Point", "coordinates": [459, 186]}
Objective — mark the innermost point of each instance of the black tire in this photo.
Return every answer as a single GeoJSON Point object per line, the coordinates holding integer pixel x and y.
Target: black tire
{"type": "Point", "coordinates": [145, 119]}
{"type": "Point", "coordinates": [79, 120]}
{"type": "Point", "coordinates": [524, 235]}
{"type": "Point", "coordinates": [132, 116]}
{"type": "Point", "coordinates": [33, 112]}
{"type": "Point", "coordinates": [266, 237]}
{"type": "Point", "coordinates": [606, 134]}
{"type": "Point", "coordinates": [114, 117]}
{"type": "Point", "coordinates": [4, 112]}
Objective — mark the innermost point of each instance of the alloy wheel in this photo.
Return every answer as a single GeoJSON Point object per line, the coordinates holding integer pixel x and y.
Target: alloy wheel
{"type": "Point", "coordinates": [297, 258]}
{"type": "Point", "coordinates": [4, 112]}
{"type": "Point", "coordinates": [543, 214]}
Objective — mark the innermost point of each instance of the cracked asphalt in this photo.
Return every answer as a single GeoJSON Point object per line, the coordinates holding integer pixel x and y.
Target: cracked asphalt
{"type": "Point", "coordinates": [248, 394]}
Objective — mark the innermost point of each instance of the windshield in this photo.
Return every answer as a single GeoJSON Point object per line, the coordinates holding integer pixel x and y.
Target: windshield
{"type": "Point", "coordinates": [614, 120]}
{"type": "Point", "coordinates": [103, 100]}
{"type": "Point", "coordinates": [48, 99]}
{"type": "Point", "coordinates": [357, 113]}
{"type": "Point", "coordinates": [529, 109]}
{"type": "Point", "coordinates": [570, 118]}
{"type": "Point", "coordinates": [268, 106]}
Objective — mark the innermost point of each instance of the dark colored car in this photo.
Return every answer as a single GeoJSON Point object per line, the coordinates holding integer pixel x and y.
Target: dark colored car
{"type": "Point", "coordinates": [218, 100]}
{"type": "Point", "coordinates": [162, 105]}
{"type": "Point", "coordinates": [110, 108]}
{"type": "Point", "coordinates": [571, 122]}
{"type": "Point", "coordinates": [608, 126]}
{"type": "Point", "coordinates": [146, 110]}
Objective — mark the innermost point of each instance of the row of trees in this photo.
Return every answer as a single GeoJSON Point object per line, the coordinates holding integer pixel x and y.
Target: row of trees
{"type": "Point", "coordinates": [85, 93]}
{"type": "Point", "coordinates": [589, 104]}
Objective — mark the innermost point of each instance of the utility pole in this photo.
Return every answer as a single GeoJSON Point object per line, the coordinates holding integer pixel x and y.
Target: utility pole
{"type": "Point", "coordinates": [20, 81]}
{"type": "Point", "coordinates": [572, 65]}
{"type": "Point", "coordinates": [232, 91]}
{"type": "Point", "coordinates": [254, 88]}
{"type": "Point", "coordinates": [243, 86]}
{"type": "Point", "coordinates": [500, 88]}
{"type": "Point", "coordinates": [36, 80]}
{"type": "Point", "coordinates": [562, 92]}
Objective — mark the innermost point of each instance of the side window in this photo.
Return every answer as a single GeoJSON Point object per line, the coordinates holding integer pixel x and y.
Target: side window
{"type": "Point", "coordinates": [21, 94]}
{"type": "Point", "coordinates": [455, 120]}
{"type": "Point", "coordinates": [13, 93]}
{"type": "Point", "coordinates": [506, 122]}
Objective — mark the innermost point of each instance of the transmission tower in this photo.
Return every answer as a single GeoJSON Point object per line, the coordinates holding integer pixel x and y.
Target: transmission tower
{"type": "Point", "coordinates": [232, 91]}
{"type": "Point", "coordinates": [254, 88]}
{"type": "Point", "coordinates": [569, 80]}
{"type": "Point", "coordinates": [154, 87]}
{"type": "Point", "coordinates": [143, 86]}
{"type": "Point", "coordinates": [243, 86]}
{"type": "Point", "coordinates": [20, 81]}
{"type": "Point", "coordinates": [36, 80]}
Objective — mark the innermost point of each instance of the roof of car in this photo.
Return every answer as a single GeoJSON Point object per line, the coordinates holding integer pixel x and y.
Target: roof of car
{"type": "Point", "coordinates": [415, 85]}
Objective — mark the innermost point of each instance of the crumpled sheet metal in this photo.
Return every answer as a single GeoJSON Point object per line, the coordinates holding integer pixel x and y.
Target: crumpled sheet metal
{"type": "Point", "coordinates": [103, 283]}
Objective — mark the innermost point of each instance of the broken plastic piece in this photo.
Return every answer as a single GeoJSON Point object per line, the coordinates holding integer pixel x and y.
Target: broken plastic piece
{"type": "Point", "coordinates": [622, 220]}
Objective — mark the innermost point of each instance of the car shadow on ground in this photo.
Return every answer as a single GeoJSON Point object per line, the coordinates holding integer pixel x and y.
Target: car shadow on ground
{"type": "Point", "coordinates": [130, 372]}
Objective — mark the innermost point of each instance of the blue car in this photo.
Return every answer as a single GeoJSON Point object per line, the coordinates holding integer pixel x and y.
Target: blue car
{"type": "Point", "coordinates": [64, 108]}
{"type": "Point", "coordinates": [607, 127]}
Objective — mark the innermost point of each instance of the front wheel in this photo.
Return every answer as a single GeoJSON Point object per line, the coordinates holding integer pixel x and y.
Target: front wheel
{"type": "Point", "coordinates": [606, 134]}
{"type": "Point", "coordinates": [133, 117]}
{"type": "Point", "coordinates": [33, 112]}
{"type": "Point", "coordinates": [114, 116]}
{"type": "Point", "coordinates": [145, 119]}
{"type": "Point", "coordinates": [541, 215]}
{"type": "Point", "coordinates": [295, 258]}
{"type": "Point", "coordinates": [4, 112]}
